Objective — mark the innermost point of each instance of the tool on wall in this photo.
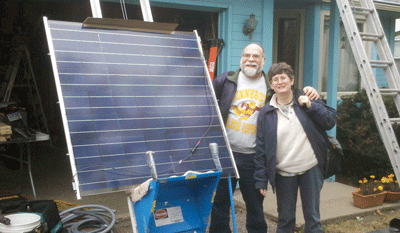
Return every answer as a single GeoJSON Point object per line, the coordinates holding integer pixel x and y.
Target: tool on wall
{"type": "Point", "coordinates": [215, 48]}
{"type": "Point", "coordinates": [375, 34]}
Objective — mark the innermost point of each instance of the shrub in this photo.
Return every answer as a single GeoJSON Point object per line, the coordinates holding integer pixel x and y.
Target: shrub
{"type": "Point", "coordinates": [359, 136]}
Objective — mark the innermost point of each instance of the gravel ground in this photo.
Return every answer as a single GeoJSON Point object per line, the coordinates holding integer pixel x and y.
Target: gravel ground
{"type": "Point", "coordinates": [366, 223]}
{"type": "Point", "coordinates": [357, 224]}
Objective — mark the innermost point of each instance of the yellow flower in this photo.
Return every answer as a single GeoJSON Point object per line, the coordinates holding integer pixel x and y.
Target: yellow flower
{"type": "Point", "coordinates": [372, 177]}
{"type": "Point", "coordinates": [360, 181]}
{"type": "Point", "coordinates": [380, 188]}
{"type": "Point", "coordinates": [358, 190]}
{"type": "Point", "coordinates": [365, 181]}
{"type": "Point", "coordinates": [391, 175]}
{"type": "Point", "coordinates": [375, 189]}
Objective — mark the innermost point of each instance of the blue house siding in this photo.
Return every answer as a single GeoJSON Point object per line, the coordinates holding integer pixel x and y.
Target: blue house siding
{"type": "Point", "coordinates": [233, 14]}
{"type": "Point", "coordinates": [263, 34]}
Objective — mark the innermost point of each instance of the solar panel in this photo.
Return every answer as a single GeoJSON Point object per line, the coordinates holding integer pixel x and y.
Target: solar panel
{"type": "Point", "coordinates": [123, 93]}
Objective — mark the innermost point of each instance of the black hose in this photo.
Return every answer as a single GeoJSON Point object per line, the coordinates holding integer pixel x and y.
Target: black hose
{"type": "Point", "coordinates": [88, 216]}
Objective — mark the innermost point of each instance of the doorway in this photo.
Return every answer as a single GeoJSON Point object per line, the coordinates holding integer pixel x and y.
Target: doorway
{"type": "Point", "coordinates": [289, 40]}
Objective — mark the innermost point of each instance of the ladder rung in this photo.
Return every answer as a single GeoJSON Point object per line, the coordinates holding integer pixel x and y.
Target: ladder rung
{"type": "Point", "coordinates": [358, 9]}
{"type": "Point", "coordinates": [361, 13]}
{"type": "Point", "coordinates": [389, 92]}
{"type": "Point", "coordinates": [394, 120]}
{"type": "Point", "coordinates": [371, 36]}
{"type": "Point", "coordinates": [380, 64]}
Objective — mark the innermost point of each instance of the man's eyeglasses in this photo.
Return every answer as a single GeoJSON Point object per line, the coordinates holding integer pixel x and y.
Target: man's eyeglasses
{"type": "Point", "coordinates": [255, 56]}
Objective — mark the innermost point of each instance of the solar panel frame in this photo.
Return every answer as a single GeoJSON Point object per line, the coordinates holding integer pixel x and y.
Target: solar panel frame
{"type": "Point", "coordinates": [109, 120]}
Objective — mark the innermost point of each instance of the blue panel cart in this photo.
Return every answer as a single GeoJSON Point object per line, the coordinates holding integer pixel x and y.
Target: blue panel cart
{"type": "Point", "coordinates": [177, 203]}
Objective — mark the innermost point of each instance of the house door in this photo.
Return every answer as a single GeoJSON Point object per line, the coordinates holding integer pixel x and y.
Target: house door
{"type": "Point", "coordinates": [289, 40]}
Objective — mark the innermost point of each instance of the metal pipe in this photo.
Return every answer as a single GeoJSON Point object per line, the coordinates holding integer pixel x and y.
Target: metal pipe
{"type": "Point", "coordinates": [152, 165]}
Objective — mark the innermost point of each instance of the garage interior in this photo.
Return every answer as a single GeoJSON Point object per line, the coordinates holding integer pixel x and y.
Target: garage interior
{"type": "Point", "coordinates": [22, 27]}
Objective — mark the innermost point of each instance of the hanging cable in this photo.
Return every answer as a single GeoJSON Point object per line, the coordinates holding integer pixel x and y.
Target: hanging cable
{"type": "Point", "coordinates": [123, 8]}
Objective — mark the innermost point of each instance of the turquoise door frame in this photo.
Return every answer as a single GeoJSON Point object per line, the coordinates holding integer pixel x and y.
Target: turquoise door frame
{"type": "Point", "coordinates": [312, 45]}
{"type": "Point", "coordinates": [333, 61]}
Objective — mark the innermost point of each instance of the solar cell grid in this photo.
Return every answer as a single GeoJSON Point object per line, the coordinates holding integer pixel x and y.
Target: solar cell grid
{"type": "Point", "coordinates": [123, 93]}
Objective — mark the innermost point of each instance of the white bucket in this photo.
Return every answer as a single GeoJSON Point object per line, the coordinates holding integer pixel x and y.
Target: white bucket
{"type": "Point", "coordinates": [20, 223]}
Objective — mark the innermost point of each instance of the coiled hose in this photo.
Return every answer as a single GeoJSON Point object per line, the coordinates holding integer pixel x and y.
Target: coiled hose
{"type": "Point", "coordinates": [88, 216]}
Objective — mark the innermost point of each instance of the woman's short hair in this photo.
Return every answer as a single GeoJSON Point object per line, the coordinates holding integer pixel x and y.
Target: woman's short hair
{"type": "Point", "coordinates": [280, 68]}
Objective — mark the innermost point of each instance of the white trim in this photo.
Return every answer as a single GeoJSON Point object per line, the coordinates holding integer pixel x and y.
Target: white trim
{"type": "Point", "coordinates": [146, 11]}
{"type": "Point", "coordinates": [381, 6]}
{"type": "Point", "coordinates": [96, 9]}
{"type": "Point", "coordinates": [132, 214]}
{"type": "Point", "coordinates": [387, 7]}
{"type": "Point", "coordinates": [323, 95]}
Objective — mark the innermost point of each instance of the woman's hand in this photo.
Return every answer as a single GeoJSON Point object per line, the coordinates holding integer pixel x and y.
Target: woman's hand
{"type": "Point", "coordinates": [311, 93]}
{"type": "Point", "coordinates": [263, 192]}
{"type": "Point", "coordinates": [304, 100]}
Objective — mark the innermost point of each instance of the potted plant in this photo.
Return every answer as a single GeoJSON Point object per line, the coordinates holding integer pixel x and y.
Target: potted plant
{"type": "Point", "coordinates": [392, 188]}
{"type": "Point", "coordinates": [369, 194]}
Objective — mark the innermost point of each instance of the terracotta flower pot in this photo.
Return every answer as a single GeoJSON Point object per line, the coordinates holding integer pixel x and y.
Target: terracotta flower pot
{"type": "Point", "coordinates": [366, 201]}
{"type": "Point", "coordinates": [392, 197]}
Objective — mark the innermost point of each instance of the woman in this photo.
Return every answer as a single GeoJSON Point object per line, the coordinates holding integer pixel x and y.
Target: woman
{"type": "Point", "coordinates": [290, 150]}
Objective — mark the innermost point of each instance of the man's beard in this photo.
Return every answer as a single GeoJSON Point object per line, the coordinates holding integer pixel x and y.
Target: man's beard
{"type": "Point", "coordinates": [250, 71]}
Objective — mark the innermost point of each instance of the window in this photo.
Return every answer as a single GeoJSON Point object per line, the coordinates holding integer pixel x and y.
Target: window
{"type": "Point", "coordinates": [349, 79]}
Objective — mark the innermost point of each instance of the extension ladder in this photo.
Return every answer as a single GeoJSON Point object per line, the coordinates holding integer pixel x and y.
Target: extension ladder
{"type": "Point", "coordinates": [19, 74]}
{"type": "Point", "coordinates": [367, 10]}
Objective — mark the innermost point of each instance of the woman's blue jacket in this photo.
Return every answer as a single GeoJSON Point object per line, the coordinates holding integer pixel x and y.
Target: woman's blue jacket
{"type": "Point", "coordinates": [319, 117]}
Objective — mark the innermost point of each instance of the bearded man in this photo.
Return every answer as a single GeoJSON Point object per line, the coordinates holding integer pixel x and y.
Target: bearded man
{"type": "Point", "coordinates": [240, 96]}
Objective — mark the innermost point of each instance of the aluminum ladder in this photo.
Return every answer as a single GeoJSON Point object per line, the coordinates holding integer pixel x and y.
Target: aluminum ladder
{"type": "Point", "coordinates": [19, 74]}
{"type": "Point", "coordinates": [375, 33]}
